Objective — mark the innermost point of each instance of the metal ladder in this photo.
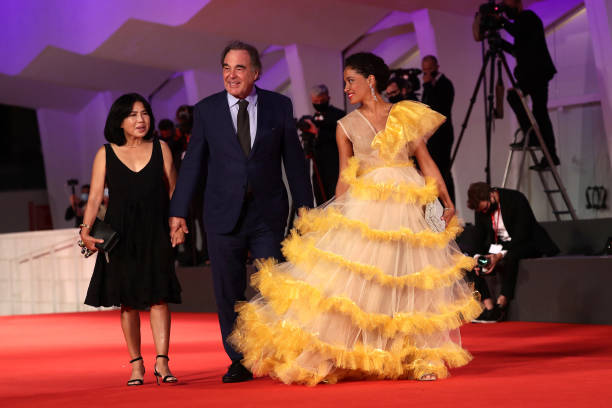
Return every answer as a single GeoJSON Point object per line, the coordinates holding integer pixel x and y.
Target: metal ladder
{"type": "Point", "coordinates": [557, 184]}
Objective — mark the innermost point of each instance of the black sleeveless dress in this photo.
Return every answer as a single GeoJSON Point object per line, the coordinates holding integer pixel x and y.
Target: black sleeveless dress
{"type": "Point", "coordinates": [140, 271]}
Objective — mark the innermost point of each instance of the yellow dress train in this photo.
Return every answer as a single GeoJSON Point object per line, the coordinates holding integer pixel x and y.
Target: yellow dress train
{"type": "Point", "coordinates": [368, 291]}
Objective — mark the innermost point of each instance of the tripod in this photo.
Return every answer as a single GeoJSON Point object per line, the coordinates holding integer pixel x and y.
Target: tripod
{"type": "Point", "coordinates": [493, 54]}
{"type": "Point", "coordinates": [315, 169]}
{"type": "Point", "coordinates": [528, 126]}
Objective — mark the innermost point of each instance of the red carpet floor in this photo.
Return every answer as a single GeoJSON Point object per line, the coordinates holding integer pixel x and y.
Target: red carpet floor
{"type": "Point", "coordinates": [79, 360]}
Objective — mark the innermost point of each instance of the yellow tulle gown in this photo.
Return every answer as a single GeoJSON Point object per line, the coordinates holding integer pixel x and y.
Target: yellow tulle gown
{"type": "Point", "coordinates": [369, 290]}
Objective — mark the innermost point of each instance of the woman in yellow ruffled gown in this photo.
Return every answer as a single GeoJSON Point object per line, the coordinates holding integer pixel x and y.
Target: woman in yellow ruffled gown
{"type": "Point", "coordinates": [369, 289]}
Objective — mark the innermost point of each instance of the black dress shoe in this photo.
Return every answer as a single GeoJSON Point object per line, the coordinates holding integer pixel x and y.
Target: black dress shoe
{"type": "Point", "coordinates": [237, 373]}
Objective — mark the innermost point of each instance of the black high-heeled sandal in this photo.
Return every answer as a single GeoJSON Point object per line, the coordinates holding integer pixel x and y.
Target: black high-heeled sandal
{"type": "Point", "coordinates": [136, 381]}
{"type": "Point", "coordinates": [167, 379]}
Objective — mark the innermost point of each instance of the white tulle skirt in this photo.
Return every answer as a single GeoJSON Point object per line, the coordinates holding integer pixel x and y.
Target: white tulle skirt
{"type": "Point", "coordinates": [368, 289]}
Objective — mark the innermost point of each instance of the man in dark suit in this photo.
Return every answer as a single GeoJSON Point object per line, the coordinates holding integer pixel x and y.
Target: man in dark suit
{"type": "Point", "coordinates": [506, 231]}
{"type": "Point", "coordinates": [439, 94]}
{"type": "Point", "coordinates": [534, 69]}
{"type": "Point", "coordinates": [240, 136]}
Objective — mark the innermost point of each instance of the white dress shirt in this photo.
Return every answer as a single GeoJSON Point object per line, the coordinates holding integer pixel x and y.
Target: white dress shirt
{"type": "Point", "coordinates": [502, 232]}
{"type": "Point", "coordinates": [499, 228]}
{"type": "Point", "coordinates": [251, 109]}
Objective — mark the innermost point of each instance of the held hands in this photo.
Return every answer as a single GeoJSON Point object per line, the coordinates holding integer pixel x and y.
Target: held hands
{"type": "Point", "coordinates": [178, 229]}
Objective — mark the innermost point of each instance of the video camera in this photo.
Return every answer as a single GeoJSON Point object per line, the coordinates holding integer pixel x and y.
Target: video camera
{"type": "Point", "coordinates": [72, 183]}
{"type": "Point", "coordinates": [487, 22]}
{"type": "Point", "coordinates": [410, 77]}
{"type": "Point", "coordinates": [308, 138]}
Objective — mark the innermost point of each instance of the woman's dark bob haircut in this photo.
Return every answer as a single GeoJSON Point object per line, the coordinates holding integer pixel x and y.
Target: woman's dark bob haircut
{"type": "Point", "coordinates": [366, 64]}
{"type": "Point", "coordinates": [120, 110]}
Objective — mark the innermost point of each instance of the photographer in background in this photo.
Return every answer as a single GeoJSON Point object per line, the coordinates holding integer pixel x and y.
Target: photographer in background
{"type": "Point", "coordinates": [168, 134]}
{"type": "Point", "coordinates": [439, 94]}
{"type": "Point", "coordinates": [184, 124]}
{"type": "Point", "coordinates": [325, 149]}
{"type": "Point", "coordinates": [403, 85]}
{"type": "Point", "coordinates": [188, 253]}
{"type": "Point", "coordinates": [77, 203]}
{"type": "Point", "coordinates": [399, 89]}
{"type": "Point", "coordinates": [396, 90]}
{"type": "Point", "coordinates": [506, 231]}
{"type": "Point", "coordinates": [534, 69]}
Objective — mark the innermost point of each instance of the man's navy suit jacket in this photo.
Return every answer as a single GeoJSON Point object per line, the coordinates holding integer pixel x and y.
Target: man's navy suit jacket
{"type": "Point", "coordinates": [214, 148]}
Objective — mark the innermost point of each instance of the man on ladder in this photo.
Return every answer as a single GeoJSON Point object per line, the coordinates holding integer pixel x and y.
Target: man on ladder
{"type": "Point", "coordinates": [534, 70]}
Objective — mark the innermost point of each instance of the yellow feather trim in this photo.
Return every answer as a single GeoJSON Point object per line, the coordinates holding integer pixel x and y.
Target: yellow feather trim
{"type": "Point", "coordinates": [273, 350]}
{"type": "Point", "coordinates": [407, 121]}
{"type": "Point", "coordinates": [302, 251]}
{"type": "Point", "coordinates": [400, 192]}
{"type": "Point", "coordinates": [282, 292]}
{"type": "Point", "coordinates": [328, 218]}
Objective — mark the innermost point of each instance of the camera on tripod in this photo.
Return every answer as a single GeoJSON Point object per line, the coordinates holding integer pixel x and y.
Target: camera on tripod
{"type": "Point", "coordinates": [488, 20]}
{"type": "Point", "coordinates": [308, 138]}
{"type": "Point", "coordinates": [410, 76]}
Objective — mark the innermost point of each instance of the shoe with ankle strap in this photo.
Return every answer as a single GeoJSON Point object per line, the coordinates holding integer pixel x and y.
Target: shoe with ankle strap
{"type": "Point", "coordinates": [166, 379]}
{"type": "Point", "coordinates": [136, 381]}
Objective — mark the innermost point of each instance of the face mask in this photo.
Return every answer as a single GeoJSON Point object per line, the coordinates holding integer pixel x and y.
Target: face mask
{"type": "Point", "coordinates": [105, 191]}
{"type": "Point", "coordinates": [395, 98]}
{"type": "Point", "coordinates": [321, 107]}
{"type": "Point", "coordinates": [84, 196]}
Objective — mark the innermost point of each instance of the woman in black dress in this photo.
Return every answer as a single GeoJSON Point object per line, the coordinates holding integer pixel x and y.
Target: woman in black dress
{"type": "Point", "coordinates": [139, 273]}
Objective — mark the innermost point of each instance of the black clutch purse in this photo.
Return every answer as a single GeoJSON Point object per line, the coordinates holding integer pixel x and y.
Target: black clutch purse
{"type": "Point", "coordinates": [101, 230]}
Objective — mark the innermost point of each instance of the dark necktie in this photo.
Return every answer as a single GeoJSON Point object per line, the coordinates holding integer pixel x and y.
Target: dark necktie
{"type": "Point", "coordinates": [243, 127]}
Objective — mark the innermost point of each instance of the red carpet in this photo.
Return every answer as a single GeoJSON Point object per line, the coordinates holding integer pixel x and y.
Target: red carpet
{"type": "Point", "coordinates": [79, 360]}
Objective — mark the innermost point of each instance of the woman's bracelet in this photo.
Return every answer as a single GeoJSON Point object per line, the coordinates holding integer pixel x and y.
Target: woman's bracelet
{"type": "Point", "coordinates": [84, 226]}
{"type": "Point", "coordinates": [447, 208]}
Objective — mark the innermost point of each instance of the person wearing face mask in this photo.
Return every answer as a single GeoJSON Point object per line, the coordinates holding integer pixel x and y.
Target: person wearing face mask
{"type": "Point", "coordinates": [534, 69]}
{"type": "Point", "coordinates": [325, 148]}
{"type": "Point", "coordinates": [77, 206]}
{"type": "Point", "coordinates": [396, 90]}
{"type": "Point", "coordinates": [506, 232]}
{"type": "Point", "coordinates": [439, 94]}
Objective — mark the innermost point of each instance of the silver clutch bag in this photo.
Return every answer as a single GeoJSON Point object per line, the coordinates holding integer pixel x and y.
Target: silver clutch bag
{"type": "Point", "coordinates": [433, 216]}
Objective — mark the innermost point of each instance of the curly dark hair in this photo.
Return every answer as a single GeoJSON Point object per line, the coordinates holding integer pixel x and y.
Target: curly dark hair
{"type": "Point", "coordinates": [121, 109]}
{"type": "Point", "coordinates": [368, 64]}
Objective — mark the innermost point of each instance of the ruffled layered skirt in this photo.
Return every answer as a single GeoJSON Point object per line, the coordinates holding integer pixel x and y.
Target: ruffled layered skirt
{"type": "Point", "coordinates": [368, 291]}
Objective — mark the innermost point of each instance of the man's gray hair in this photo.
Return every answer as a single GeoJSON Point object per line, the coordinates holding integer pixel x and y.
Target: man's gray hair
{"type": "Point", "coordinates": [319, 90]}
